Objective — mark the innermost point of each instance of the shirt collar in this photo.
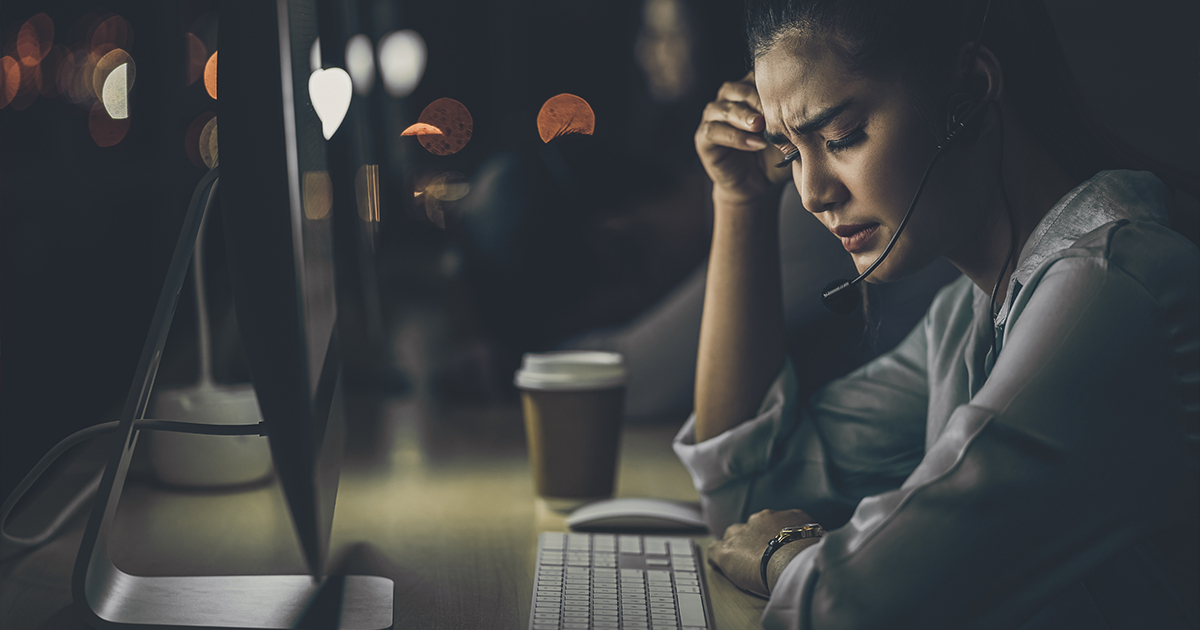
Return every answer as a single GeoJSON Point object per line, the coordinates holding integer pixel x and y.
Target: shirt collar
{"type": "Point", "coordinates": [1106, 197]}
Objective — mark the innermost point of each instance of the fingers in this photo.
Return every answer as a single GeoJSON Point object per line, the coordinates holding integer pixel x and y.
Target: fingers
{"type": "Point", "coordinates": [742, 90]}
{"type": "Point", "coordinates": [735, 118]}
{"type": "Point", "coordinates": [731, 125]}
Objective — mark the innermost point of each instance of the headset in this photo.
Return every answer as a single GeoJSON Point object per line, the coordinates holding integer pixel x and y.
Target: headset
{"type": "Point", "coordinates": [964, 122]}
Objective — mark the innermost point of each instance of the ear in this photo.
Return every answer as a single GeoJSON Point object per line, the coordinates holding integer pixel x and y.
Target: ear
{"type": "Point", "coordinates": [983, 76]}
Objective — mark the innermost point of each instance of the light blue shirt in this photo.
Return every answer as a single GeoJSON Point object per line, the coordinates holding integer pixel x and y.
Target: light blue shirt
{"type": "Point", "coordinates": [1026, 491]}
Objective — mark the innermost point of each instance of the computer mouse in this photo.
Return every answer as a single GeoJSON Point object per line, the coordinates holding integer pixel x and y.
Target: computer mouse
{"type": "Point", "coordinates": [638, 515]}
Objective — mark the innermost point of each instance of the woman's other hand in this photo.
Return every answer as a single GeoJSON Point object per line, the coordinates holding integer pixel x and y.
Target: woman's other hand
{"type": "Point", "coordinates": [739, 553]}
{"type": "Point", "coordinates": [729, 142]}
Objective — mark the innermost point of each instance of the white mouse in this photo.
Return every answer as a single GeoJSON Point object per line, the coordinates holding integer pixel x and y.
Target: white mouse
{"type": "Point", "coordinates": [634, 514]}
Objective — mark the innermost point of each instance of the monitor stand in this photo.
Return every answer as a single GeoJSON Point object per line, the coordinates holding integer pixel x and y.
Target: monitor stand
{"type": "Point", "coordinates": [111, 598]}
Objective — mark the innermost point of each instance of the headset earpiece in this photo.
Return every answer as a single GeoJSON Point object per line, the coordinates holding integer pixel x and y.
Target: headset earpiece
{"type": "Point", "coordinates": [964, 119]}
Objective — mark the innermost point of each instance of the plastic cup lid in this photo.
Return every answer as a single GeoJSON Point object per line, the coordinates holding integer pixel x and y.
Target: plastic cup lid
{"type": "Point", "coordinates": [571, 370]}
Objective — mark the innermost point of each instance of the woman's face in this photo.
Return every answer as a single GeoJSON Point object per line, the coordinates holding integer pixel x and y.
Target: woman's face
{"type": "Point", "coordinates": [858, 149]}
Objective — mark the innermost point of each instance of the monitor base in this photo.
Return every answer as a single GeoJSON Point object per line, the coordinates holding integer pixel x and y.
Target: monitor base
{"type": "Point", "coordinates": [353, 602]}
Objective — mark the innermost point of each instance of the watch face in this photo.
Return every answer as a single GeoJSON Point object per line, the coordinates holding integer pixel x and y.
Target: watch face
{"type": "Point", "coordinates": [797, 532]}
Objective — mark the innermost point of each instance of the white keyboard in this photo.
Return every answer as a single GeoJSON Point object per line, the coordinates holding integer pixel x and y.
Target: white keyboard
{"type": "Point", "coordinates": [617, 582]}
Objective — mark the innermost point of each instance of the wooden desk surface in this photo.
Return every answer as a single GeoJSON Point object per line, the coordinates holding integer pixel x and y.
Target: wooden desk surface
{"type": "Point", "coordinates": [438, 499]}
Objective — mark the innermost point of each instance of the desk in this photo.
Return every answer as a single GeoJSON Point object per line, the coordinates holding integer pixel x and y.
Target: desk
{"type": "Point", "coordinates": [437, 498]}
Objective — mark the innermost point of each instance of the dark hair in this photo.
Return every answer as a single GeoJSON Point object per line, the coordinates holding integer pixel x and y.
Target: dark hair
{"type": "Point", "coordinates": [922, 40]}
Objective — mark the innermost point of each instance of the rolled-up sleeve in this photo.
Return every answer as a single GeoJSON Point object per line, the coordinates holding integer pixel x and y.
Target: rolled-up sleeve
{"type": "Point", "coordinates": [858, 435]}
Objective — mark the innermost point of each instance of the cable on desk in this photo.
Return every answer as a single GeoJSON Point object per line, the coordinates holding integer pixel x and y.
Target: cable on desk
{"type": "Point", "coordinates": [89, 490]}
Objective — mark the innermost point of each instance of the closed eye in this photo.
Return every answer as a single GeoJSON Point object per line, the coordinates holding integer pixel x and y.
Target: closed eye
{"type": "Point", "coordinates": [789, 158]}
{"type": "Point", "coordinates": [846, 141]}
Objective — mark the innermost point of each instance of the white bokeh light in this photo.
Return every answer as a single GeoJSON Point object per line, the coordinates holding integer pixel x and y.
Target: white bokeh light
{"type": "Point", "coordinates": [360, 63]}
{"type": "Point", "coordinates": [401, 62]}
{"type": "Point", "coordinates": [314, 56]}
{"type": "Point", "coordinates": [116, 93]}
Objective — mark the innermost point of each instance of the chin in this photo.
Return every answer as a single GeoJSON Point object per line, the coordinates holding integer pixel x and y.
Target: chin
{"type": "Point", "coordinates": [890, 271]}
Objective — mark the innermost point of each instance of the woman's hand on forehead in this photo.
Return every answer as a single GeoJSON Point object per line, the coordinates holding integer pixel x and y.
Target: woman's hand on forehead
{"type": "Point", "coordinates": [730, 144]}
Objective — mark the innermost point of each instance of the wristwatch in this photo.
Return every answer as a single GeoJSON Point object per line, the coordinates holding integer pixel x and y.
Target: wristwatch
{"type": "Point", "coordinates": [792, 533]}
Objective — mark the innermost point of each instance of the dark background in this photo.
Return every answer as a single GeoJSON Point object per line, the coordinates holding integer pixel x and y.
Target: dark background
{"type": "Point", "coordinates": [86, 232]}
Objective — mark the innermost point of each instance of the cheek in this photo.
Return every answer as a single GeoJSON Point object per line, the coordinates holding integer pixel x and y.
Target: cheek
{"type": "Point", "coordinates": [881, 182]}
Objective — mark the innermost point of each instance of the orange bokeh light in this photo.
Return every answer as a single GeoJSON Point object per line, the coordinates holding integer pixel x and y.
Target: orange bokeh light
{"type": "Point", "coordinates": [210, 76]}
{"type": "Point", "coordinates": [421, 129]}
{"type": "Point", "coordinates": [565, 114]}
{"type": "Point", "coordinates": [104, 129]}
{"type": "Point", "coordinates": [11, 79]}
{"type": "Point", "coordinates": [454, 122]}
{"type": "Point", "coordinates": [197, 54]}
{"type": "Point", "coordinates": [30, 86]}
{"type": "Point", "coordinates": [34, 39]}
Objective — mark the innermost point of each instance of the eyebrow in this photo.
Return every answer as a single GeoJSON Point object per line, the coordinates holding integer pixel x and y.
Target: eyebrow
{"type": "Point", "coordinates": [816, 123]}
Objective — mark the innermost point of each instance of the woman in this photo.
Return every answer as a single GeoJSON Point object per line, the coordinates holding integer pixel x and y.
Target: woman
{"type": "Point", "coordinates": [1027, 456]}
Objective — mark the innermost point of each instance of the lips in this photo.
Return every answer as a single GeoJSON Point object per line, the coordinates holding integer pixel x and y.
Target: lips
{"type": "Point", "coordinates": [855, 237]}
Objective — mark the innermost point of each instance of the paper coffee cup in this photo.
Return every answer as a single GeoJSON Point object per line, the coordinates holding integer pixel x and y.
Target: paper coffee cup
{"type": "Point", "coordinates": [573, 403]}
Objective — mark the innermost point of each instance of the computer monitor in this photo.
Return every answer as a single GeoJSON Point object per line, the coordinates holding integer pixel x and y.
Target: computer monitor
{"type": "Point", "coordinates": [275, 195]}
{"type": "Point", "coordinates": [276, 198]}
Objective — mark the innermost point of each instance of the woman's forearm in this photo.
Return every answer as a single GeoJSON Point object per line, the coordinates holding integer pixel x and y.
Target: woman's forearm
{"type": "Point", "coordinates": [742, 329]}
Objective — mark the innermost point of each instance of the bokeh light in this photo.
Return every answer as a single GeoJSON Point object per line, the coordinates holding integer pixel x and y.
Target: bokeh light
{"type": "Point", "coordinates": [366, 192]}
{"type": "Point", "coordinates": [360, 63]}
{"type": "Point", "coordinates": [11, 79]}
{"type": "Point", "coordinates": [455, 123]}
{"type": "Point", "coordinates": [116, 92]}
{"type": "Point", "coordinates": [109, 32]}
{"type": "Point", "coordinates": [112, 60]}
{"type": "Point", "coordinates": [106, 131]}
{"type": "Point", "coordinates": [197, 55]}
{"type": "Point", "coordinates": [318, 195]}
{"type": "Point", "coordinates": [565, 114]}
{"type": "Point", "coordinates": [208, 143]}
{"type": "Point", "coordinates": [75, 75]}
{"type": "Point", "coordinates": [29, 86]}
{"type": "Point", "coordinates": [421, 129]}
{"type": "Point", "coordinates": [401, 62]}
{"type": "Point", "coordinates": [35, 39]}
{"type": "Point", "coordinates": [433, 191]}
{"type": "Point", "coordinates": [210, 76]}
{"type": "Point", "coordinates": [191, 138]}
{"type": "Point", "coordinates": [330, 91]}
{"type": "Point", "coordinates": [314, 56]}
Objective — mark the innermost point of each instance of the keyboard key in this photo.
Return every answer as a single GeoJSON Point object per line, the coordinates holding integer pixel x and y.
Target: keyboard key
{"type": "Point", "coordinates": [691, 609]}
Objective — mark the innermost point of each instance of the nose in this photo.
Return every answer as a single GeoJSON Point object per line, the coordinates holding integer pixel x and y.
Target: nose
{"type": "Point", "coordinates": [820, 187]}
